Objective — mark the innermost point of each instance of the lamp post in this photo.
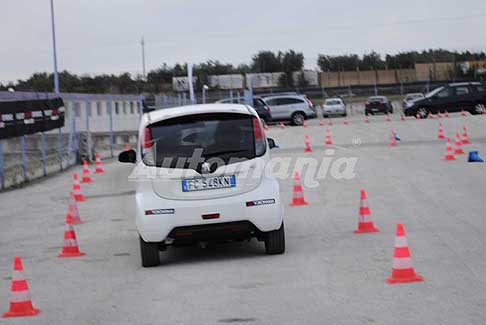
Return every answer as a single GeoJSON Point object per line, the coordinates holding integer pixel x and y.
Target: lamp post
{"type": "Point", "coordinates": [204, 89]}
{"type": "Point", "coordinates": [53, 27]}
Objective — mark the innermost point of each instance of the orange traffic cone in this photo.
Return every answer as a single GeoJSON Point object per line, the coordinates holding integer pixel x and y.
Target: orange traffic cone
{"type": "Point", "coordinates": [328, 141]}
{"type": "Point", "coordinates": [321, 122]}
{"type": "Point", "coordinates": [365, 224]}
{"type": "Point", "coordinates": [304, 124]}
{"type": "Point", "coordinates": [446, 114]}
{"type": "Point", "coordinates": [465, 138]}
{"type": "Point", "coordinates": [441, 135]}
{"type": "Point", "coordinates": [77, 189]}
{"type": "Point", "coordinates": [20, 303]}
{"type": "Point", "coordinates": [402, 269]}
{"type": "Point", "coordinates": [298, 192]}
{"type": "Point", "coordinates": [72, 215]}
{"type": "Point", "coordinates": [431, 116]}
{"type": "Point", "coordinates": [126, 147]}
{"type": "Point", "coordinates": [393, 139]}
{"type": "Point", "coordinates": [402, 117]}
{"type": "Point", "coordinates": [458, 145]}
{"type": "Point", "coordinates": [307, 146]}
{"type": "Point", "coordinates": [463, 113]}
{"type": "Point", "coordinates": [98, 164]}
{"type": "Point", "coordinates": [329, 122]}
{"type": "Point", "coordinates": [70, 247]}
{"type": "Point", "coordinates": [387, 118]}
{"type": "Point", "coordinates": [439, 115]}
{"type": "Point", "coordinates": [265, 126]}
{"type": "Point", "coordinates": [282, 126]}
{"type": "Point", "coordinates": [345, 121]}
{"type": "Point", "coordinates": [417, 116]}
{"type": "Point", "coordinates": [367, 120]}
{"type": "Point", "coordinates": [449, 153]}
{"type": "Point", "coordinates": [86, 177]}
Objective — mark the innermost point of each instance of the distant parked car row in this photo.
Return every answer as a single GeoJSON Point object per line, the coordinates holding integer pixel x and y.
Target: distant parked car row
{"type": "Point", "coordinates": [290, 107]}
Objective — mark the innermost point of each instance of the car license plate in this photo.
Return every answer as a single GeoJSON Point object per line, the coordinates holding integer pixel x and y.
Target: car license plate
{"type": "Point", "coordinates": [208, 183]}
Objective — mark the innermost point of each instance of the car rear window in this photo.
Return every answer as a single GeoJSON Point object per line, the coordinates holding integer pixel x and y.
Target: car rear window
{"type": "Point", "coordinates": [284, 101]}
{"type": "Point", "coordinates": [376, 99]}
{"type": "Point", "coordinates": [226, 136]}
{"type": "Point", "coordinates": [333, 102]}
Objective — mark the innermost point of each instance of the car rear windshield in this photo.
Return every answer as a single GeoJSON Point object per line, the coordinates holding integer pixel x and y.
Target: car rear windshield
{"type": "Point", "coordinates": [226, 136]}
{"type": "Point", "coordinates": [332, 102]}
{"type": "Point", "coordinates": [376, 99]}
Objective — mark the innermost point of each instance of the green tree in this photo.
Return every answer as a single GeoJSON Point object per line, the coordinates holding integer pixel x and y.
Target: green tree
{"type": "Point", "coordinates": [266, 61]}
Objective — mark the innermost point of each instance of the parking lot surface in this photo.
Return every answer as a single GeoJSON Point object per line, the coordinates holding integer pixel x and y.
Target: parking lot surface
{"type": "Point", "coordinates": [328, 275]}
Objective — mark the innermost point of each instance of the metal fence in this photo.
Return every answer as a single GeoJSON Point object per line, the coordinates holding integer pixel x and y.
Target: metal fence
{"type": "Point", "coordinates": [103, 124]}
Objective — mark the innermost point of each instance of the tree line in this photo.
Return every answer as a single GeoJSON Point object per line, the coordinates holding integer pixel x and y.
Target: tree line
{"type": "Point", "coordinates": [160, 79]}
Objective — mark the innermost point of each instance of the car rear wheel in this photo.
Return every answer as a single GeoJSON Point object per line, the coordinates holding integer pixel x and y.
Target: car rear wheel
{"type": "Point", "coordinates": [149, 253]}
{"type": "Point", "coordinates": [275, 241]}
{"type": "Point", "coordinates": [297, 118]}
{"type": "Point", "coordinates": [478, 109]}
{"type": "Point", "coordinates": [423, 112]}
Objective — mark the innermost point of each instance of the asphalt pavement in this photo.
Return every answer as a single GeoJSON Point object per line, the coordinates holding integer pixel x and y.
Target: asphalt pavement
{"type": "Point", "coordinates": [328, 275]}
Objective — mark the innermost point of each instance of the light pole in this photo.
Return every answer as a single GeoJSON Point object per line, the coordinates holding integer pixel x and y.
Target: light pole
{"type": "Point", "coordinates": [53, 26]}
{"type": "Point", "coordinates": [204, 89]}
{"type": "Point", "coordinates": [142, 43]}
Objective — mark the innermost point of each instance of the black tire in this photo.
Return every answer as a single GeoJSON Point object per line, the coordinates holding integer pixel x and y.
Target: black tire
{"type": "Point", "coordinates": [423, 112]}
{"type": "Point", "coordinates": [477, 109]}
{"type": "Point", "coordinates": [275, 241]}
{"type": "Point", "coordinates": [149, 253]}
{"type": "Point", "coordinates": [345, 114]}
{"type": "Point", "coordinates": [297, 118]}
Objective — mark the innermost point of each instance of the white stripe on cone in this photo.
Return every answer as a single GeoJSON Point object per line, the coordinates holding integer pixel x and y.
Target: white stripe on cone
{"type": "Point", "coordinates": [19, 296]}
{"type": "Point", "coordinates": [18, 275]}
{"type": "Point", "coordinates": [401, 241]}
{"type": "Point", "coordinates": [401, 263]}
{"type": "Point", "coordinates": [70, 243]}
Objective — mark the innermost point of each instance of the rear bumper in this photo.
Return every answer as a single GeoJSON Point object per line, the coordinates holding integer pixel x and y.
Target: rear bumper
{"type": "Point", "coordinates": [188, 213]}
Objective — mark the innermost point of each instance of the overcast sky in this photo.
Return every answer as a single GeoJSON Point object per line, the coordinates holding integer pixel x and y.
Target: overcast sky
{"type": "Point", "coordinates": [103, 36]}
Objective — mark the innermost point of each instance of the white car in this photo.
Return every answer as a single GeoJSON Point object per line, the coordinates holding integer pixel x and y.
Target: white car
{"type": "Point", "coordinates": [333, 106]}
{"type": "Point", "coordinates": [199, 179]}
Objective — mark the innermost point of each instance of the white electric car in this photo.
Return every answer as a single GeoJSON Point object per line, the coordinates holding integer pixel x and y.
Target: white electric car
{"type": "Point", "coordinates": [200, 178]}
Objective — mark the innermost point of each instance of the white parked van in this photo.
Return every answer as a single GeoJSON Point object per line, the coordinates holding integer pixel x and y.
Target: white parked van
{"type": "Point", "coordinates": [199, 178]}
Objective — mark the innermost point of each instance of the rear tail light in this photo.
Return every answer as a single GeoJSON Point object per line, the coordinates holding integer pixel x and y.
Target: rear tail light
{"type": "Point", "coordinates": [309, 103]}
{"type": "Point", "coordinates": [147, 141]}
{"type": "Point", "coordinates": [258, 136]}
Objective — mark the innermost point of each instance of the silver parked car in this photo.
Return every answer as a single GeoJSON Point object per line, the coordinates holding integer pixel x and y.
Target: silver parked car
{"type": "Point", "coordinates": [410, 98]}
{"type": "Point", "coordinates": [290, 107]}
{"type": "Point", "coordinates": [333, 106]}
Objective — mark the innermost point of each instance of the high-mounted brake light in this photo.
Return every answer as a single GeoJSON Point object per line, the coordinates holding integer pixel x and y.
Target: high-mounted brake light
{"type": "Point", "coordinates": [147, 139]}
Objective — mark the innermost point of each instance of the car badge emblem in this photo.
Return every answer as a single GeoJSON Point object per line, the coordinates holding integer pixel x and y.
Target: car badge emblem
{"type": "Point", "coordinates": [205, 167]}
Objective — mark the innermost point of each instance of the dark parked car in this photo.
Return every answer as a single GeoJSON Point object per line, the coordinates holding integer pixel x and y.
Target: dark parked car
{"type": "Point", "coordinates": [259, 104]}
{"type": "Point", "coordinates": [378, 104]}
{"type": "Point", "coordinates": [467, 96]}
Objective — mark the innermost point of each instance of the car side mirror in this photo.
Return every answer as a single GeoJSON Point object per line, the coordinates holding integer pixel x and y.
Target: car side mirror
{"type": "Point", "coordinates": [128, 156]}
{"type": "Point", "coordinates": [271, 143]}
